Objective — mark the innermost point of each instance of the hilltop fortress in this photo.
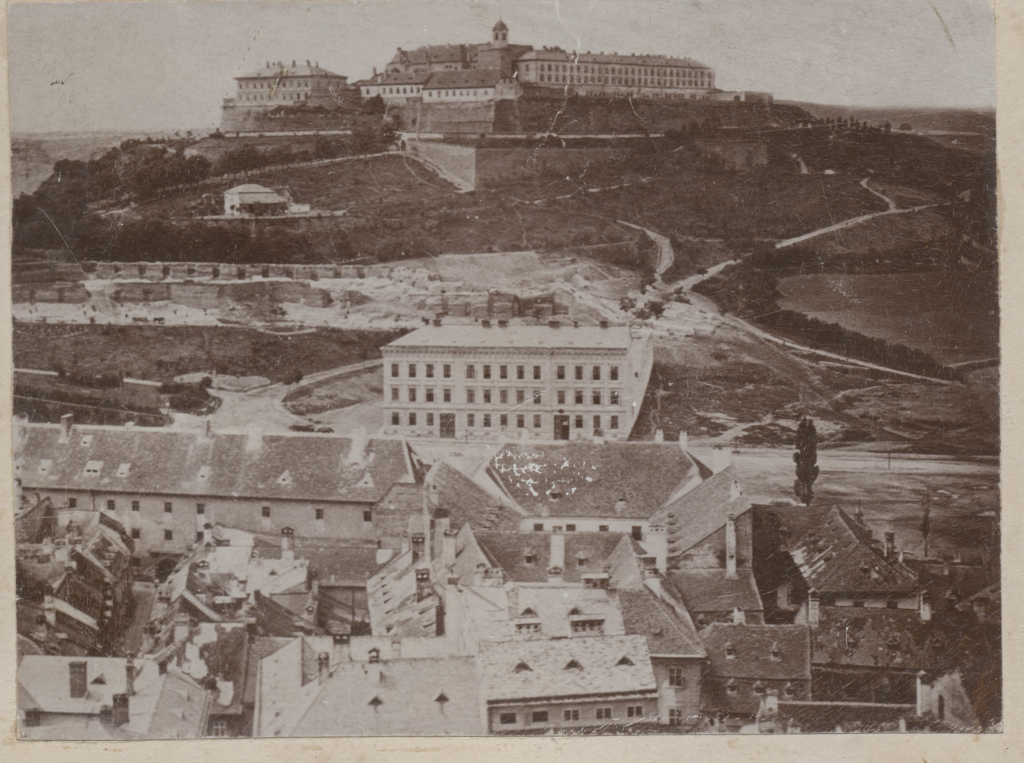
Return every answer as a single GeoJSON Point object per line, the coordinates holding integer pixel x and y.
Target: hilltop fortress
{"type": "Point", "coordinates": [496, 88]}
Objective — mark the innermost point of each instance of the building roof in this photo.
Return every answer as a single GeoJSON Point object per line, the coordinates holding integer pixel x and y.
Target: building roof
{"type": "Point", "coordinates": [525, 557]}
{"type": "Point", "coordinates": [279, 69]}
{"type": "Point", "coordinates": [237, 465]}
{"type": "Point", "coordinates": [542, 338]}
{"type": "Point", "coordinates": [426, 697]}
{"type": "Point", "coordinates": [251, 193]}
{"type": "Point", "coordinates": [711, 590]}
{"type": "Point", "coordinates": [837, 554]}
{"type": "Point", "coordinates": [435, 54]}
{"type": "Point", "coordinates": [591, 479]}
{"type": "Point", "coordinates": [698, 513]}
{"type": "Point", "coordinates": [395, 78]}
{"type": "Point", "coordinates": [463, 78]}
{"type": "Point", "coordinates": [752, 647]}
{"type": "Point", "coordinates": [557, 54]}
{"type": "Point", "coordinates": [465, 501]}
{"type": "Point", "coordinates": [261, 646]}
{"type": "Point", "coordinates": [667, 632]}
{"type": "Point", "coordinates": [548, 673]}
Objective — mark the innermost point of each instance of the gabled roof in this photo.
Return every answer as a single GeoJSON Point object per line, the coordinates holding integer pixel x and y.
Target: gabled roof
{"type": "Point", "coordinates": [667, 631]}
{"type": "Point", "coordinates": [584, 552]}
{"type": "Point", "coordinates": [463, 78]}
{"type": "Point", "coordinates": [466, 501]}
{"type": "Point", "coordinates": [557, 54]}
{"type": "Point", "coordinates": [698, 513]}
{"type": "Point", "coordinates": [752, 646]}
{"type": "Point", "coordinates": [426, 697]}
{"type": "Point", "coordinates": [235, 465]}
{"type": "Point", "coordinates": [395, 78]}
{"type": "Point", "coordinates": [542, 338]}
{"type": "Point", "coordinates": [436, 54]}
{"type": "Point", "coordinates": [548, 676]}
{"type": "Point", "coordinates": [279, 69]}
{"type": "Point", "coordinates": [591, 479]}
{"type": "Point", "coordinates": [837, 554]}
{"type": "Point", "coordinates": [711, 590]}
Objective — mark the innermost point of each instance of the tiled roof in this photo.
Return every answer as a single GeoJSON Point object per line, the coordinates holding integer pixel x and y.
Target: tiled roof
{"type": "Point", "coordinates": [891, 638]}
{"type": "Point", "coordinates": [261, 646]}
{"type": "Point", "coordinates": [466, 501]}
{"type": "Point", "coordinates": [557, 54]}
{"type": "Point", "coordinates": [396, 78]}
{"type": "Point", "coordinates": [667, 632]}
{"type": "Point", "coordinates": [280, 69]}
{"type": "Point", "coordinates": [248, 188]}
{"type": "Point", "coordinates": [600, 671]}
{"type": "Point", "coordinates": [465, 78]}
{"type": "Point", "coordinates": [752, 646]}
{"type": "Point", "coordinates": [710, 590]}
{"type": "Point", "coordinates": [294, 466]}
{"type": "Point", "coordinates": [514, 335]}
{"type": "Point", "coordinates": [698, 513]}
{"type": "Point", "coordinates": [403, 697]}
{"type": "Point", "coordinates": [590, 479]}
{"type": "Point", "coordinates": [436, 54]}
{"type": "Point", "coordinates": [584, 552]}
{"type": "Point", "coordinates": [837, 554]}
{"type": "Point", "coordinates": [557, 607]}
{"type": "Point", "coordinates": [336, 564]}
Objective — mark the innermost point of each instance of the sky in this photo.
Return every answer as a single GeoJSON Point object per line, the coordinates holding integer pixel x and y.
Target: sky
{"type": "Point", "coordinates": [158, 66]}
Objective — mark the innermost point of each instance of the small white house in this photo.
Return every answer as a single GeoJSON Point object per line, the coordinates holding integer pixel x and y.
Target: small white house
{"type": "Point", "coordinates": [252, 199]}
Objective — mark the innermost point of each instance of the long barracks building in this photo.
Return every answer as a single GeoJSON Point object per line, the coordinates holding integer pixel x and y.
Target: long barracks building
{"type": "Point", "coordinates": [481, 381]}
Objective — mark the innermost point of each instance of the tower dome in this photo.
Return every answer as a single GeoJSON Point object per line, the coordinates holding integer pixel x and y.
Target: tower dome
{"type": "Point", "coordinates": [500, 33]}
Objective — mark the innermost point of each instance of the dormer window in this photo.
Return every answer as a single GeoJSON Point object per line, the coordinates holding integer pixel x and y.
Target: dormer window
{"type": "Point", "coordinates": [441, 699]}
{"type": "Point", "coordinates": [787, 690]}
{"type": "Point", "coordinates": [581, 561]}
{"type": "Point", "coordinates": [731, 687]}
{"type": "Point", "coordinates": [759, 689]}
{"type": "Point", "coordinates": [528, 612]}
{"type": "Point", "coordinates": [522, 667]}
{"type": "Point", "coordinates": [573, 665]}
{"type": "Point", "coordinates": [776, 654]}
{"type": "Point", "coordinates": [93, 468]}
{"type": "Point", "coordinates": [530, 559]}
{"type": "Point", "coordinates": [375, 702]}
{"type": "Point", "coordinates": [730, 652]}
{"type": "Point", "coordinates": [285, 479]}
{"type": "Point", "coordinates": [624, 661]}
{"type": "Point", "coordinates": [575, 611]}
{"type": "Point", "coordinates": [123, 469]}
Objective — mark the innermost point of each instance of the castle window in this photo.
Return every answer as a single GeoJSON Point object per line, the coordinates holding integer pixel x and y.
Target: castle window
{"type": "Point", "coordinates": [447, 371]}
{"type": "Point", "coordinates": [579, 397]}
{"type": "Point", "coordinates": [412, 370]}
{"type": "Point", "coordinates": [614, 424]}
{"type": "Point", "coordinates": [536, 397]}
{"type": "Point", "coordinates": [487, 420]}
{"type": "Point", "coordinates": [503, 396]}
{"type": "Point", "coordinates": [614, 399]}
{"type": "Point", "coordinates": [520, 372]}
{"type": "Point", "coordinates": [504, 420]}
{"type": "Point", "coordinates": [430, 394]}
{"type": "Point", "coordinates": [536, 372]}
{"type": "Point", "coordinates": [412, 419]}
{"type": "Point", "coordinates": [561, 397]}
{"type": "Point", "coordinates": [394, 394]}
{"type": "Point", "coordinates": [487, 372]}
{"type": "Point", "coordinates": [578, 422]}
{"type": "Point", "coordinates": [470, 372]}
{"type": "Point", "coordinates": [412, 394]}
{"type": "Point", "coordinates": [487, 396]}
{"type": "Point", "coordinates": [579, 373]}
{"type": "Point", "coordinates": [597, 422]}
{"type": "Point", "coordinates": [446, 395]}
{"type": "Point", "coordinates": [614, 373]}
{"type": "Point", "coordinates": [536, 421]}
{"type": "Point", "coordinates": [430, 370]}
{"type": "Point", "coordinates": [507, 718]}
{"type": "Point", "coordinates": [502, 372]}
{"type": "Point", "coordinates": [430, 419]}
{"type": "Point", "coordinates": [520, 396]}
{"type": "Point", "coordinates": [470, 396]}
{"type": "Point", "coordinates": [470, 420]}
{"type": "Point", "coordinates": [596, 397]}
{"type": "Point", "coordinates": [676, 678]}
{"type": "Point", "coordinates": [135, 505]}
{"type": "Point", "coordinates": [394, 419]}
{"type": "Point", "coordinates": [394, 370]}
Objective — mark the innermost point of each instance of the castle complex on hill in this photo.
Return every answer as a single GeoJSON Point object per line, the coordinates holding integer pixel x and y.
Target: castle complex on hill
{"type": "Point", "coordinates": [473, 74]}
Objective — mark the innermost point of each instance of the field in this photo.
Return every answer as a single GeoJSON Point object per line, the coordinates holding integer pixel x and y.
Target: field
{"type": "Point", "coordinates": [161, 353]}
{"type": "Point", "coordinates": [942, 313]}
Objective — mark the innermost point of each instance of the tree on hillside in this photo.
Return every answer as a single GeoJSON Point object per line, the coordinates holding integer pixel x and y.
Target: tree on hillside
{"type": "Point", "coordinates": [806, 458]}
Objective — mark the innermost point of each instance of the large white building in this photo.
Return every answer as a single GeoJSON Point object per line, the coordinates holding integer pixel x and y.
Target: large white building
{"type": "Point", "coordinates": [484, 381]}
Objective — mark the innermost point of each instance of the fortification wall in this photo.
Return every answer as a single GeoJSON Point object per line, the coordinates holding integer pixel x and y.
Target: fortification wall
{"type": "Point", "coordinates": [236, 119]}
{"type": "Point", "coordinates": [458, 161]}
{"type": "Point", "coordinates": [158, 271]}
{"type": "Point", "coordinates": [600, 116]}
{"type": "Point", "coordinates": [212, 295]}
{"type": "Point", "coordinates": [73, 292]}
{"type": "Point", "coordinates": [456, 118]}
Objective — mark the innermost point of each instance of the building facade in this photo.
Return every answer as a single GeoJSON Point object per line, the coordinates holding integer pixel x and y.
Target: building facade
{"type": "Point", "coordinates": [278, 84]}
{"type": "Point", "coordinates": [535, 382]}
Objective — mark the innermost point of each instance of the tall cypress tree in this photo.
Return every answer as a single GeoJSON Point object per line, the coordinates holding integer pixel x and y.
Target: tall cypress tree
{"type": "Point", "coordinates": [806, 458]}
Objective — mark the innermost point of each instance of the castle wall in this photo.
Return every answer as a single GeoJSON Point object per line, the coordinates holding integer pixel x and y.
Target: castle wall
{"type": "Point", "coordinates": [73, 292]}
{"type": "Point", "coordinates": [458, 161]}
{"type": "Point", "coordinates": [247, 119]}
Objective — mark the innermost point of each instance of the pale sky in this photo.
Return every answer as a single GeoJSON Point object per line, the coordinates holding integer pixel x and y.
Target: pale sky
{"type": "Point", "coordinates": [157, 65]}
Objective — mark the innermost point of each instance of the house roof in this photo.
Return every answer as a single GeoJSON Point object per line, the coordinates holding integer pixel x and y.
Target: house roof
{"type": "Point", "coordinates": [667, 631]}
{"type": "Point", "coordinates": [261, 646]}
{"type": "Point", "coordinates": [591, 479]}
{"type": "Point", "coordinates": [837, 554]}
{"type": "Point", "coordinates": [437, 54]}
{"type": "Point", "coordinates": [279, 69]}
{"type": "Point", "coordinates": [463, 78]}
{"type": "Point", "coordinates": [466, 501]}
{"type": "Point", "coordinates": [557, 54]}
{"type": "Point", "coordinates": [752, 646]}
{"type": "Point", "coordinates": [694, 515]}
{"type": "Point", "coordinates": [526, 557]}
{"type": "Point", "coordinates": [711, 590]}
{"type": "Point", "coordinates": [428, 697]}
{"type": "Point", "coordinates": [543, 338]}
{"type": "Point", "coordinates": [236, 465]}
{"type": "Point", "coordinates": [548, 676]}
{"type": "Point", "coordinates": [396, 78]}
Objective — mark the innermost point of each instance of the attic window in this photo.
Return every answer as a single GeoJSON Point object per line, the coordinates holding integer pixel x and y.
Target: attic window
{"type": "Point", "coordinates": [530, 558]}
{"type": "Point", "coordinates": [574, 612]}
{"type": "Point", "coordinates": [376, 702]}
{"type": "Point", "coordinates": [581, 561]}
{"type": "Point", "coordinates": [522, 667]}
{"type": "Point", "coordinates": [759, 689]}
{"type": "Point", "coordinates": [624, 661]}
{"type": "Point", "coordinates": [776, 654]}
{"type": "Point", "coordinates": [122, 470]}
{"type": "Point", "coordinates": [528, 612]}
{"type": "Point", "coordinates": [44, 467]}
{"type": "Point", "coordinates": [285, 479]}
{"type": "Point", "coordinates": [93, 468]}
{"type": "Point", "coordinates": [730, 653]}
{"type": "Point", "coordinates": [86, 440]}
{"type": "Point", "coordinates": [731, 687]}
{"type": "Point", "coordinates": [441, 698]}
{"type": "Point", "coordinates": [573, 665]}
{"type": "Point", "coordinates": [100, 680]}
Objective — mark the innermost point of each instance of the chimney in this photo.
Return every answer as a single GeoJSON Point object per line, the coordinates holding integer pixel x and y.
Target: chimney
{"type": "Point", "coordinates": [120, 715]}
{"type": "Point", "coordinates": [926, 607]}
{"type": "Point", "coordinates": [78, 672]}
{"type": "Point", "coordinates": [923, 690]}
{"type": "Point", "coordinates": [357, 450]}
{"type": "Point", "coordinates": [440, 526]}
{"type": "Point", "coordinates": [771, 702]}
{"type": "Point", "coordinates": [890, 546]}
{"type": "Point", "coordinates": [323, 666]}
{"type": "Point", "coordinates": [721, 459]}
{"type": "Point", "coordinates": [66, 422]}
{"type": "Point", "coordinates": [859, 516]}
{"type": "Point", "coordinates": [900, 556]}
{"type": "Point", "coordinates": [684, 442]}
{"type": "Point", "coordinates": [314, 583]}
{"type": "Point", "coordinates": [730, 547]}
{"type": "Point", "coordinates": [448, 553]}
{"type": "Point", "coordinates": [735, 491]}
{"type": "Point", "coordinates": [129, 676]}
{"type": "Point", "coordinates": [739, 617]}
{"type": "Point", "coordinates": [422, 584]}
{"type": "Point", "coordinates": [208, 429]}
{"type": "Point", "coordinates": [659, 435]}
{"type": "Point", "coordinates": [555, 576]}
{"type": "Point", "coordinates": [479, 573]}
{"type": "Point", "coordinates": [557, 549]}
{"type": "Point", "coordinates": [813, 608]}
{"type": "Point", "coordinates": [656, 544]}
{"type": "Point", "coordinates": [653, 581]}
{"type": "Point", "coordinates": [286, 543]}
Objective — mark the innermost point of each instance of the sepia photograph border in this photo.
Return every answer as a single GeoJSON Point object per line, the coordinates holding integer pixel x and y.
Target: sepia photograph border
{"type": "Point", "coordinates": [933, 748]}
